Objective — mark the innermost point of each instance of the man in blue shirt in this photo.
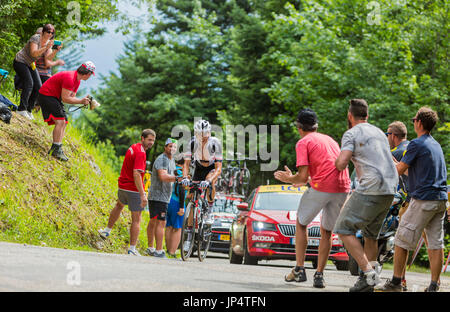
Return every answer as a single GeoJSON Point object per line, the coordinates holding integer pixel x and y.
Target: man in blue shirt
{"type": "Point", "coordinates": [427, 179]}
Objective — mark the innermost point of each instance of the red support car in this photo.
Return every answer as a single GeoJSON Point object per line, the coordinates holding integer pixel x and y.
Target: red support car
{"type": "Point", "coordinates": [265, 229]}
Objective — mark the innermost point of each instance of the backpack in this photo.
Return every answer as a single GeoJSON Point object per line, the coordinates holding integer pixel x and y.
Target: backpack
{"type": "Point", "coordinates": [8, 103]}
{"type": "Point", "coordinates": [5, 113]}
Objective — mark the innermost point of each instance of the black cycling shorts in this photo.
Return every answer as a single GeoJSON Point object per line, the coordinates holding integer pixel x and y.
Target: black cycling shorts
{"type": "Point", "coordinates": [200, 172]}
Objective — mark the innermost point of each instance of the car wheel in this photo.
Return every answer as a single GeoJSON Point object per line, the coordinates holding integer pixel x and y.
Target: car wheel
{"type": "Point", "coordinates": [341, 265]}
{"type": "Point", "coordinates": [234, 258]}
{"type": "Point", "coordinates": [352, 265]}
{"type": "Point", "coordinates": [248, 259]}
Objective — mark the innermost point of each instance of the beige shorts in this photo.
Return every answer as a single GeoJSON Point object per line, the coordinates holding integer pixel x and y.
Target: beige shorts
{"type": "Point", "coordinates": [422, 215]}
{"type": "Point", "coordinates": [365, 213]}
{"type": "Point", "coordinates": [313, 202]}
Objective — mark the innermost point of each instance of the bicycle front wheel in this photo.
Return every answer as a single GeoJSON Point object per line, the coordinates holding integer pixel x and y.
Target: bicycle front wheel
{"type": "Point", "coordinates": [188, 232]}
{"type": "Point", "coordinates": [203, 239]}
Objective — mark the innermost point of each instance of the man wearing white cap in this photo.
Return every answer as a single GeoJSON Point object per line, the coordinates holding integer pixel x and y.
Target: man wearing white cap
{"type": "Point", "coordinates": [60, 88]}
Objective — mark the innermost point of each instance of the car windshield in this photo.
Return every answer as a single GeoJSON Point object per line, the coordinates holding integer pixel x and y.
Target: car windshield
{"type": "Point", "coordinates": [277, 201]}
{"type": "Point", "coordinates": [225, 205]}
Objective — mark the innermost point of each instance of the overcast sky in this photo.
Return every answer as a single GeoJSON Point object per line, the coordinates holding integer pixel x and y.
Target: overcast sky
{"type": "Point", "coordinates": [105, 50]}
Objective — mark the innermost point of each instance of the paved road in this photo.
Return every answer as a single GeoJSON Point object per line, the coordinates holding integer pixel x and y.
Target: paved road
{"type": "Point", "coordinates": [33, 268]}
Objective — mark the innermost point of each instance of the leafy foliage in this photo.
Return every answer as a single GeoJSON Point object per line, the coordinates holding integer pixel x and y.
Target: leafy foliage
{"type": "Point", "coordinates": [19, 20]}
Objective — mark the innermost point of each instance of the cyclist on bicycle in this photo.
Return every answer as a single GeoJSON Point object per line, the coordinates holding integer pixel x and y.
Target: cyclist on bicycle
{"type": "Point", "coordinates": [206, 152]}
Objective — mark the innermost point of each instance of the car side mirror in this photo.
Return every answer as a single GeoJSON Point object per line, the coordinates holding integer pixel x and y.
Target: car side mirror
{"type": "Point", "coordinates": [242, 206]}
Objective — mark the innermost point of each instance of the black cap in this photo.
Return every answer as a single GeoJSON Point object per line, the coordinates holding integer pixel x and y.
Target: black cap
{"type": "Point", "coordinates": [307, 117]}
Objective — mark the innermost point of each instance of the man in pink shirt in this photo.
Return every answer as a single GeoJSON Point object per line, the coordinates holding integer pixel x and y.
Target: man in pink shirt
{"type": "Point", "coordinates": [59, 89]}
{"type": "Point", "coordinates": [316, 154]}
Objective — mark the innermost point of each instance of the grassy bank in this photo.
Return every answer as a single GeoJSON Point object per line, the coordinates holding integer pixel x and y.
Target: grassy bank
{"type": "Point", "coordinates": [47, 202]}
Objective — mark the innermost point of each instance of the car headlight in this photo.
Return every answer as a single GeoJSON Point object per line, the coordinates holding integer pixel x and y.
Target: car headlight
{"type": "Point", "coordinates": [263, 226]}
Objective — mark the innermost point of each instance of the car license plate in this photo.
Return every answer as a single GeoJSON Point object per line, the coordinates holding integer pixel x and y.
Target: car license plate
{"type": "Point", "coordinates": [311, 242]}
{"type": "Point", "coordinates": [224, 237]}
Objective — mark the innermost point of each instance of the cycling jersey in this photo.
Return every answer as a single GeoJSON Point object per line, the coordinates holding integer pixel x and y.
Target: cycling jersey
{"type": "Point", "coordinates": [208, 155]}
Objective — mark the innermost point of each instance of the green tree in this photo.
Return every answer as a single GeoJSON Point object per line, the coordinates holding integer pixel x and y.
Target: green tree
{"type": "Point", "coordinates": [73, 20]}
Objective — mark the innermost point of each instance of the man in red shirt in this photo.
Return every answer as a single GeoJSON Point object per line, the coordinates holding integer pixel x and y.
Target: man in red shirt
{"type": "Point", "coordinates": [131, 188]}
{"type": "Point", "coordinates": [60, 88]}
{"type": "Point", "coordinates": [316, 154]}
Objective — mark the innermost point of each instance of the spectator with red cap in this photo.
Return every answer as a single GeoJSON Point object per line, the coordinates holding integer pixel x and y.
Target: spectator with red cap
{"type": "Point", "coordinates": [60, 88]}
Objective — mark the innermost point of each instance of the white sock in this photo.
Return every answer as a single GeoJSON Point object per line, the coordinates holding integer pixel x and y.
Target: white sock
{"type": "Point", "coordinates": [133, 247]}
{"type": "Point", "coordinates": [160, 251]}
{"type": "Point", "coordinates": [152, 249]}
{"type": "Point", "coordinates": [107, 230]}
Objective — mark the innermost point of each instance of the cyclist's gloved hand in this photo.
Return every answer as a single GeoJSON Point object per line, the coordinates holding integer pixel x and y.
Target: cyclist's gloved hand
{"type": "Point", "coordinates": [204, 184]}
{"type": "Point", "coordinates": [185, 182]}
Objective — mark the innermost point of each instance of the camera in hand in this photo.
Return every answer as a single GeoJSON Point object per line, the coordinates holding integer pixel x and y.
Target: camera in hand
{"type": "Point", "coordinates": [56, 44]}
{"type": "Point", "coordinates": [93, 104]}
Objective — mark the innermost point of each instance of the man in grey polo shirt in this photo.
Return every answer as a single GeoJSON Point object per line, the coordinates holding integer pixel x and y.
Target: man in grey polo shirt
{"type": "Point", "coordinates": [163, 176]}
{"type": "Point", "coordinates": [368, 148]}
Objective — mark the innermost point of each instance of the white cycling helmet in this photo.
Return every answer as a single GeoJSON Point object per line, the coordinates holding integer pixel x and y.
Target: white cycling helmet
{"type": "Point", "coordinates": [202, 126]}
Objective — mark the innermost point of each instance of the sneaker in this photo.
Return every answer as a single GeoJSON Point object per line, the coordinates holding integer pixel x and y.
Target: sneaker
{"type": "Point", "coordinates": [366, 282]}
{"type": "Point", "coordinates": [299, 276]}
{"type": "Point", "coordinates": [171, 256]}
{"type": "Point", "coordinates": [52, 149]}
{"type": "Point", "coordinates": [30, 115]}
{"type": "Point", "coordinates": [389, 287]}
{"type": "Point", "coordinates": [103, 233]}
{"type": "Point", "coordinates": [59, 154]}
{"type": "Point", "coordinates": [432, 288]}
{"type": "Point", "coordinates": [160, 255]}
{"type": "Point", "coordinates": [318, 280]}
{"type": "Point", "coordinates": [150, 252]}
{"type": "Point", "coordinates": [404, 286]}
{"type": "Point", "coordinates": [133, 252]}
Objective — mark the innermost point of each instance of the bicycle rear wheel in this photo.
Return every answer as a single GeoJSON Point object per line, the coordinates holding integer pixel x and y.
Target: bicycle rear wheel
{"type": "Point", "coordinates": [188, 232]}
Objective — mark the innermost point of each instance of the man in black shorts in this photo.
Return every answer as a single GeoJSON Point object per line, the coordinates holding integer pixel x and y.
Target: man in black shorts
{"type": "Point", "coordinates": [206, 152]}
{"type": "Point", "coordinates": [60, 88]}
{"type": "Point", "coordinates": [163, 176]}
